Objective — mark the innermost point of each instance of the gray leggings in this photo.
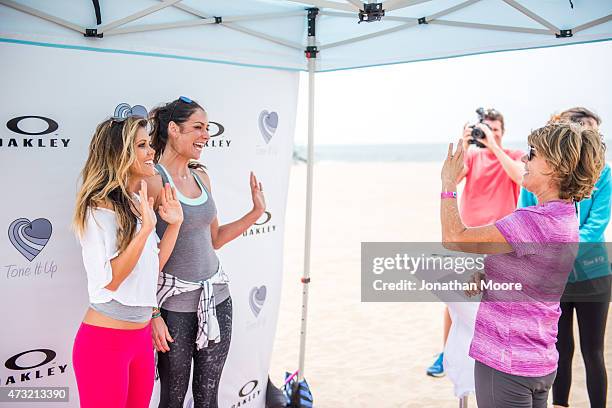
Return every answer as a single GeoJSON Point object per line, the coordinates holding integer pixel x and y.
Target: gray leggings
{"type": "Point", "coordinates": [495, 389]}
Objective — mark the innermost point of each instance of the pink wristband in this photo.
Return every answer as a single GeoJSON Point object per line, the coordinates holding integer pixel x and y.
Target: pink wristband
{"type": "Point", "coordinates": [448, 194]}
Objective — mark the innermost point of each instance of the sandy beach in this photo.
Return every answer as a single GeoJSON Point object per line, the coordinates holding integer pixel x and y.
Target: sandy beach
{"type": "Point", "coordinates": [368, 354]}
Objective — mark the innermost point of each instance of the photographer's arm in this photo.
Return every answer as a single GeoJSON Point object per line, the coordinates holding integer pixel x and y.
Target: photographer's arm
{"type": "Point", "coordinates": [514, 169]}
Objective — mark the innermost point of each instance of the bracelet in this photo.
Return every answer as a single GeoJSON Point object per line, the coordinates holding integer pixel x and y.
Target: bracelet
{"type": "Point", "coordinates": [158, 314]}
{"type": "Point", "coordinates": [448, 194]}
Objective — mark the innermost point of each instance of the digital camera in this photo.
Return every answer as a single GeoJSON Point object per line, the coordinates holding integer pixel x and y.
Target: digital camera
{"type": "Point", "coordinates": [476, 132]}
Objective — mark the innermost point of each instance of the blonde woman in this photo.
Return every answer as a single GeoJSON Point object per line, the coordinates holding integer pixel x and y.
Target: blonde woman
{"type": "Point", "coordinates": [113, 353]}
{"type": "Point", "coordinates": [515, 333]}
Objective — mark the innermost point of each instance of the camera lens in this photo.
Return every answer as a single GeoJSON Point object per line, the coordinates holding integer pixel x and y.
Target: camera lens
{"type": "Point", "coordinates": [477, 133]}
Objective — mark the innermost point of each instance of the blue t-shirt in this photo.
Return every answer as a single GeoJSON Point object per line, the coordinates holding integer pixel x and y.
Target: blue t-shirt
{"type": "Point", "coordinates": [592, 260]}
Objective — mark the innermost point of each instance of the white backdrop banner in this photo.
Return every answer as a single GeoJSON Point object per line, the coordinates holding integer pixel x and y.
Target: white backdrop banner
{"type": "Point", "coordinates": [52, 99]}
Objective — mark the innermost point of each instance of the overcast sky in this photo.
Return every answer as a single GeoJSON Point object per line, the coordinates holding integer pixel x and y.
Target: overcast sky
{"type": "Point", "coordinates": [430, 101]}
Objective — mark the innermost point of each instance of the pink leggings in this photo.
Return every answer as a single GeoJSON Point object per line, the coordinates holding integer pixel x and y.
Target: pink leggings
{"type": "Point", "coordinates": [114, 367]}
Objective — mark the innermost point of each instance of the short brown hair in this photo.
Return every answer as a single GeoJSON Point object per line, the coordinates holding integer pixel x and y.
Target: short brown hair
{"type": "Point", "coordinates": [493, 114]}
{"type": "Point", "coordinates": [576, 154]}
{"type": "Point", "coordinates": [576, 115]}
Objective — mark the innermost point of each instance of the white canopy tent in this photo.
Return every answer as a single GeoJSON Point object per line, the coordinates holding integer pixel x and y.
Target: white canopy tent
{"type": "Point", "coordinates": [274, 33]}
{"type": "Point", "coordinates": [313, 36]}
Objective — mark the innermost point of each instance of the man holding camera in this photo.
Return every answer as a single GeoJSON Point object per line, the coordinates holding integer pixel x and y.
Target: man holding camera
{"type": "Point", "coordinates": [493, 178]}
{"type": "Point", "coordinates": [492, 174]}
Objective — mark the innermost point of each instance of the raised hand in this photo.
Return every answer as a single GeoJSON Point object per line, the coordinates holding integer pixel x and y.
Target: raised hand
{"type": "Point", "coordinates": [146, 209]}
{"type": "Point", "coordinates": [453, 165]}
{"type": "Point", "coordinates": [467, 136]}
{"type": "Point", "coordinates": [170, 209]}
{"type": "Point", "coordinates": [259, 201]}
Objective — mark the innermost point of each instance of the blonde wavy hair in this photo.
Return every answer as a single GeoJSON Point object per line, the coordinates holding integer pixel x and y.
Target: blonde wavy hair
{"type": "Point", "coordinates": [105, 176]}
{"type": "Point", "coordinates": [575, 153]}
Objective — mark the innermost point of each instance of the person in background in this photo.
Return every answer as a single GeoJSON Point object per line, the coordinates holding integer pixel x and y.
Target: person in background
{"type": "Point", "coordinates": [492, 183]}
{"type": "Point", "coordinates": [588, 288]}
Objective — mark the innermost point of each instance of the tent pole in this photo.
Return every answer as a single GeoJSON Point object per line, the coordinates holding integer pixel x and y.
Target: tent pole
{"type": "Point", "coordinates": [311, 53]}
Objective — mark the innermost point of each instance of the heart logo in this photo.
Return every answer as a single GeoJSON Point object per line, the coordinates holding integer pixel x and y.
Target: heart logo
{"type": "Point", "coordinates": [268, 122]}
{"type": "Point", "coordinates": [257, 297]}
{"type": "Point", "coordinates": [124, 111]}
{"type": "Point", "coordinates": [30, 238]}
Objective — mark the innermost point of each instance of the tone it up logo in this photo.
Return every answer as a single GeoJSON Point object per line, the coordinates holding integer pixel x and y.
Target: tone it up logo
{"type": "Point", "coordinates": [30, 237]}
{"type": "Point", "coordinates": [248, 393]}
{"type": "Point", "coordinates": [33, 131]}
{"type": "Point", "coordinates": [263, 225]}
{"type": "Point", "coordinates": [31, 365]}
{"type": "Point", "coordinates": [268, 123]}
{"type": "Point", "coordinates": [218, 138]}
{"type": "Point", "coordinates": [257, 298]}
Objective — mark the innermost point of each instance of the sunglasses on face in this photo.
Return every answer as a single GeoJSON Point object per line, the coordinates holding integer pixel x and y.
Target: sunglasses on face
{"type": "Point", "coordinates": [531, 153]}
{"type": "Point", "coordinates": [183, 99]}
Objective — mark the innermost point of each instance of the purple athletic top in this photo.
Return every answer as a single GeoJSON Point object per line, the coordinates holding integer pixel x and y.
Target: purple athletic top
{"type": "Point", "coordinates": [516, 331]}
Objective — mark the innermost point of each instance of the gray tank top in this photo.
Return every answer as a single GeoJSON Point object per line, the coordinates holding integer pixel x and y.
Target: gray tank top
{"type": "Point", "coordinates": [194, 258]}
{"type": "Point", "coordinates": [119, 311]}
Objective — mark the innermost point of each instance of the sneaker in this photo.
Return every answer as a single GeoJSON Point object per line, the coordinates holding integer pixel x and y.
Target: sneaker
{"type": "Point", "coordinates": [437, 368]}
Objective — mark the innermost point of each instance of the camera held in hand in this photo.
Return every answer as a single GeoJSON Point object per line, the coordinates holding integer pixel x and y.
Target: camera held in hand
{"type": "Point", "coordinates": [478, 133]}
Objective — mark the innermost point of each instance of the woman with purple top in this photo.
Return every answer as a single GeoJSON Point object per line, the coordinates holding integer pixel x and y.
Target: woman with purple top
{"type": "Point", "coordinates": [534, 249]}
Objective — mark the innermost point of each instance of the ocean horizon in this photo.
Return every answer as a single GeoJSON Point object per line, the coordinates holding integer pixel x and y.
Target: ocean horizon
{"type": "Point", "coordinates": [422, 152]}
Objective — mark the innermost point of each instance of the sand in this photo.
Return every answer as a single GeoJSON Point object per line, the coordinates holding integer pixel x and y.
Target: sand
{"type": "Point", "coordinates": [367, 354]}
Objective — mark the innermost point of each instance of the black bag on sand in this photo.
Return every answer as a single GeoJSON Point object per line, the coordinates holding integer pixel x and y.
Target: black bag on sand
{"type": "Point", "coordinates": [274, 396]}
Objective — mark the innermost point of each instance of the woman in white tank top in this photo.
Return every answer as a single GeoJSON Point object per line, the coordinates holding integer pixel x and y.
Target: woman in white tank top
{"type": "Point", "coordinates": [113, 353]}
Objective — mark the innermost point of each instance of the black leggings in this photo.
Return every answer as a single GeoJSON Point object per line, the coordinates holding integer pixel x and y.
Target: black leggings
{"type": "Point", "coordinates": [592, 326]}
{"type": "Point", "coordinates": [174, 366]}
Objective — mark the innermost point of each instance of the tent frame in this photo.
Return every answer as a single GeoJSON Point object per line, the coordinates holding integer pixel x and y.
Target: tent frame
{"type": "Point", "coordinates": [349, 9]}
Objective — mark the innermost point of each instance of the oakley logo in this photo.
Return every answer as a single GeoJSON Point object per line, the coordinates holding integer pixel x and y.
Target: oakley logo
{"type": "Point", "coordinates": [261, 226]}
{"type": "Point", "coordinates": [12, 364]}
{"type": "Point", "coordinates": [268, 217]}
{"type": "Point", "coordinates": [250, 386]}
{"type": "Point", "coordinates": [215, 129]}
{"type": "Point", "coordinates": [14, 125]}
{"type": "Point", "coordinates": [32, 360]}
